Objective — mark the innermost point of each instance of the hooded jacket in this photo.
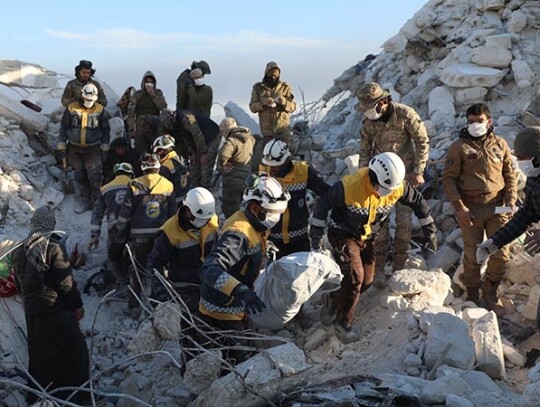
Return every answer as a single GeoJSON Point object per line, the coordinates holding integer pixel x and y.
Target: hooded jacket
{"type": "Point", "coordinates": [273, 120]}
{"type": "Point", "coordinates": [237, 149]}
{"type": "Point", "coordinates": [141, 103]}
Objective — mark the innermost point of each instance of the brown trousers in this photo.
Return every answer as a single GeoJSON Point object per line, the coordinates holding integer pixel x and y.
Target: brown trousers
{"type": "Point", "coordinates": [88, 166]}
{"type": "Point", "coordinates": [484, 220]}
{"type": "Point", "coordinates": [356, 260]}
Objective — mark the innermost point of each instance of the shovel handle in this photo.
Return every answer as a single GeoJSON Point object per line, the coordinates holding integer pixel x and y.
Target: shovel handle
{"type": "Point", "coordinates": [64, 163]}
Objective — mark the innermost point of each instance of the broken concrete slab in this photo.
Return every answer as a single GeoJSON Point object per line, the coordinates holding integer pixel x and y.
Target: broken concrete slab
{"type": "Point", "coordinates": [471, 75]}
{"type": "Point", "coordinates": [202, 371]}
{"type": "Point", "coordinates": [438, 389]}
{"type": "Point", "coordinates": [167, 320]}
{"type": "Point", "coordinates": [513, 355]}
{"type": "Point", "coordinates": [428, 315]}
{"type": "Point", "coordinates": [27, 75]}
{"type": "Point", "coordinates": [488, 346]}
{"type": "Point", "coordinates": [485, 56]}
{"type": "Point", "coordinates": [29, 120]}
{"type": "Point", "coordinates": [531, 307]}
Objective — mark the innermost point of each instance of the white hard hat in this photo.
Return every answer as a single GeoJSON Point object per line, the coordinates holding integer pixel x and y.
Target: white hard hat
{"type": "Point", "coordinates": [89, 92]}
{"type": "Point", "coordinates": [201, 203]}
{"type": "Point", "coordinates": [162, 143]}
{"type": "Point", "coordinates": [275, 153]}
{"type": "Point", "coordinates": [268, 192]}
{"type": "Point", "coordinates": [150, 161]}
{"type": "Point", "coordinates": [389, 170]}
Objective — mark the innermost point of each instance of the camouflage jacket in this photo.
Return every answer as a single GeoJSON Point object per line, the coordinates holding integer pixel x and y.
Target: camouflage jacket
{"type": "Point", "coordinates": [273, 120]}
{"type": "Point", "coordinates": [72, 92]}
{"type": "Point", "coordinates": [403, 133]}
{"type": "Point", "coordinates": [152, 104]}
{"type": "Point", "coordinates": [237, 149]}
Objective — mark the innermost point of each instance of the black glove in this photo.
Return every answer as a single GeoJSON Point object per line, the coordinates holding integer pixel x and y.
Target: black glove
{"type": "Point", "coordinates": [121, 236]}
{"type": "Point", "coordinates": [315, 234]}
{"type": "Point", "coordinates": [430, 238]}
{"type": "Point", "coordinates": [252, 304]}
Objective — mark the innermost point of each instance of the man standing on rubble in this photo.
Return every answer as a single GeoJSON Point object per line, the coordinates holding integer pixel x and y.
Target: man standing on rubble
{"type": "Point", "coordinates": [360, 203]}
{"type": "Point", "coordinates": [392, 127]}
{"type": "Point", "coordinates": [478, 178]}
{"type": "Point", "coordinates": [83, 76]}
{"type": "Point", "coordinates": [229, 271]}
{"type": "Point", "coordinates": [85, 133]}
{"type": "Point", "coordinates": [109, 204]}
{"type": "Point", "coordinates": [290, 235]}
{"type": "Point", "coordinates": [57, 351]}
{"type": "Point", "coordinates": [183, 243]}
{"type": "Point", "coordinates": [273, 100]}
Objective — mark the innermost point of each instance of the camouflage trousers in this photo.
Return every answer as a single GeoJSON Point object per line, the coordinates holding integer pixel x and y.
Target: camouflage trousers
{"type": "Point", "coordinates": [146, 133]}
{"type": "Point", "coordinates": [88, 166]}
{"type": "Point", "coordinates": [232, 188]}
{"type": "Point", "coordinates": [484, 220]}
{"type": "Point", "coordinates": [401, 238]}
{"type": "Point", "coordinates": [201, 175]}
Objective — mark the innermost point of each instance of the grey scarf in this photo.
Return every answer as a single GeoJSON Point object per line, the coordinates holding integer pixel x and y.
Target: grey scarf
{"type": "Point", "coordinates": [36, 244]}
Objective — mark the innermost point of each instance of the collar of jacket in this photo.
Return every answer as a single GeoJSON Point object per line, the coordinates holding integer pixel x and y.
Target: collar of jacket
{"type": "Point", "coordinates": [256, 223]}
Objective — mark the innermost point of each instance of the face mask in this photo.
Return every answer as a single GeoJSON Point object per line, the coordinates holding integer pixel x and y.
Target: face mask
{"type": "Point", "coordinates": [198, 81]}
{"type": "Point", "coordinates": [88, 103]}
{"type": "Point", "coordinates": [372, 113]}
{"type": "Point", "coordinates": [383, 191]}
{"type": "Point", "coordinates": [149, 85]}
{"type": "Point", "coordinates": [528, 169]}
{"type": "Point", "coordinates": [199, 222]}
{"type": "Point", "coordinates": [478, 129]}
{"type": "Point", "coordinates": [271, 220]}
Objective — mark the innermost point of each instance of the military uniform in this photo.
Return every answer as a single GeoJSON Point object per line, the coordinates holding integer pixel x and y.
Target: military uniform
{"type": "Point", "coordinates": [72, 92]}
{"type": "Point", "coordinates": [274, 121]}
{"type": "Point", "coordinates": [479, 175]}
{"type": "Point", "coordinates": [183, 249]}
{"type": "Point", "coordinates": [357, 213]}
{"type": "Point", "coordinates": [143, 115]}
{"type": "Point", "coordinates": [402, 132]}
{"type": "Point", "coordinates": [197, 135]}
{"type": "Point", "coordinates": [174, 169]}
{"type": "Point", "coordinates": [237, 150]}
{"type": "Point", "coordinates": [290, 235]}
{"type": "Point", "coordinates": [109, 204]}
{"type": "Point", "coordinates": [85, 130]}
{"type": "Point", "coordinates": [200, 99]}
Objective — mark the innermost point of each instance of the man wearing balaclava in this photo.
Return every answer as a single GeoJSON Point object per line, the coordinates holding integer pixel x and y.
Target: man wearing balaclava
{"type": "Point", "coordinates": [478, 177]}
{"type": "Point", "coordinates": [83, 75]}
{"type": "Point", "coordinates": [58, 356]}
{"type": "Point", "coordinates": [274, 102]}
{"type": "Point", "coordinates": [84, 136]}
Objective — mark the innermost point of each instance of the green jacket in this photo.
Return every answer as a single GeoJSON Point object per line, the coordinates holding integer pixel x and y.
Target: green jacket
{"type": "Point", "coordinates": [200, 98]}
{"type": "Point", "coordinates": [72, 92]}
{"type": "Point", "coordinates": [237, 149]}
{"type": "Point", "coordinates": [141, 103]}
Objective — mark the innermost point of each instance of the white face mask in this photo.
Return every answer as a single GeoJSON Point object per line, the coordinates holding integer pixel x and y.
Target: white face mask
{"type": "Point", "coordinates": [271, 220]}
{"type": "Point", "coordinates": [199, 222]}
{"type": "Point", "coordinates": [478, 129]}
{"type": "Point", "coordinates": [198, 81]}
{"type": "Point", "coordinates": [88, 103]}
{"type": "Point", "coordinates": [383, 191]}
{"type": "Point", "coordinates": [149, 85]}
{"type": "Point", "coordinates": [372, 113]}
{"type": "Point", "coordinates": [528, 169]}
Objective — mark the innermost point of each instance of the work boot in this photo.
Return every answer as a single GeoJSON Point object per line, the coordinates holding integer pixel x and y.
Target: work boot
{"type": "Point", "coordinates": [381, 278]}
{"type": "Point", "coordinates": [328, 311]}
{"type": "Point", "coordinates": [489, 295]}
{"type": "Point", "coordinates": [345, 333]}
{"type": "Point", "coordinates": [83, 207]}
{"type": "Point", "coordinates": [473, 294]}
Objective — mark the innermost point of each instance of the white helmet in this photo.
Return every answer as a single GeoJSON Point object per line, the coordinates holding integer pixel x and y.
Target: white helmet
{"type": "Point", "coordinates": [150, 161]}
{"type": "Point", "coordinates": [201, 203]}
{"type": "Point", "coordinates": [268, 192]}
{"type": "Point", "coordinates": [163, 143]}
{"type": "Point", "coordinates": [89, 92]}
{"type": "Point", "coordinates": [275, 153]}
{"type": "Point", "coordinates": [389, 170]}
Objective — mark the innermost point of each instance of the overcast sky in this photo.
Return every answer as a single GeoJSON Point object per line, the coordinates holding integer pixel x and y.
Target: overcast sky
{"type": "Point", "coordinates": [313, 41]}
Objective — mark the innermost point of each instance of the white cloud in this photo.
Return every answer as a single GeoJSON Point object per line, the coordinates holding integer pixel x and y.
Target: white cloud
{"type": "Point", "coordinates": [242, 41]}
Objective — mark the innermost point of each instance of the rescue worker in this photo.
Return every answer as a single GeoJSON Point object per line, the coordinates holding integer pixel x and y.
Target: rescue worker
{"type": "Point", "coordinates": [290, 235]}
{"type": "Point", "coordinates": [392, 127]}
{"type": "Point", "coordinates": [83, 76]}
{"type": "Point", "coordinates": [360, 203]}
{"type": "Point", "coordinates": [143, 113]}
{"type": "Point", "coordinates": [479, 177]}
{"type": "Point", "coordinates": [234, 163]}
{"type": "Point", "coordinates": [199, 95]}
{"type": "Point", "coordinates": [198, 138]}
{"type": "Point", "coordinates": [109, 204]}
{"type": "Point", "coordinates": [58, 356]}
{"type": "Point", "coordinates": [183, 243]}
{"type": "Point", "coordinates": [119, 152]}
{"type": "Point", "coordinates": [172, 165]}
{"type": "Point", "coordinates": [274, 102]}
{"type": "Point", "coordinates": [527, 151]}
{"type": "Point", "coordinates": [184, 81]}
{"type": "Point", "coordinates": [85, 129]}
{"type": "Point", "coordinates": [149, 202]}
{"type": "Point", "coordinates": [229, 271]}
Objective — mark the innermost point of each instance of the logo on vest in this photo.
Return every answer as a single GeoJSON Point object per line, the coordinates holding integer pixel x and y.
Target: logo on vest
{"type": "Point", "coordinates": [152, 209]}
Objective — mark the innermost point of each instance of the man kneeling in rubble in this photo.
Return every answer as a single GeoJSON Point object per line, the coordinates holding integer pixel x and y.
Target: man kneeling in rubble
{"type": "Point", "coordinates": [359, 204]}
